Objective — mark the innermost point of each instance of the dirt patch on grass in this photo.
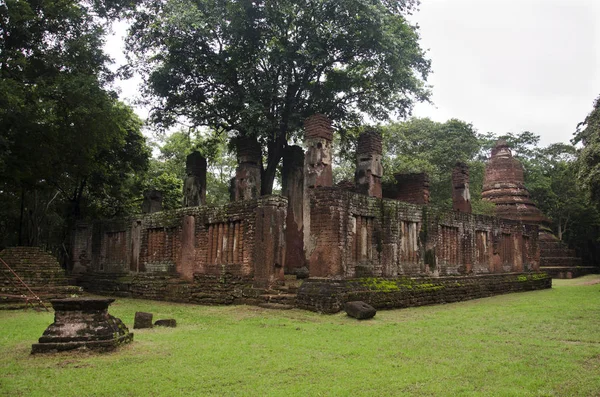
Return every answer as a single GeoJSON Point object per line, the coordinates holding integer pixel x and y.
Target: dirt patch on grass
{"type": "Point", "coordinates": [591, 282]}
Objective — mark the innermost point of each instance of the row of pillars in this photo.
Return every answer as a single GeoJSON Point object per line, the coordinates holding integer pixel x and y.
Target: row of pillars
{"type": "Point", "coordinates": [313, 169]}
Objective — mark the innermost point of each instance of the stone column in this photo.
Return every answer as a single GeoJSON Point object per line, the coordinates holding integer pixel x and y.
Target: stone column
{"type": "Point", "coordinates": [293, 189]}
{"type": "Point", "coordinates": [194, 185]}
{"type": "Point", "coordinates": [318, 137]}
{"type": "Point", "coordinates": [152, 201]}
{"type": "Point", "coordinates": [368, 164]}
{"type": "Point", "coordinates": [318, 134]}
{"type": "Point", "coordinates": [246, 183]}
{"type": "Point", "coordinates": [461, 197]}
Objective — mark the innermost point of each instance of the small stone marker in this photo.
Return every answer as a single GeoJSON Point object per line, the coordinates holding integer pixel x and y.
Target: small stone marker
{"type": "Point", "coordinates": [169, 322]}
{"type": "Point", "coordinates": [359, 310]}
{"type": "Point", "coordinates": [142, 320]}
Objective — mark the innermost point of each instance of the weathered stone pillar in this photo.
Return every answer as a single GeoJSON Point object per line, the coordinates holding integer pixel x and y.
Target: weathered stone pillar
{"type": "Point", "coordinates": [368, 164]}
{"type": "Point", "coordinates": [269, 241]}
{"type": "Point", "coordinates": [194, 185]}
{"type": "Point", "coordinates": [246, 183]}
{"type": "Point", "coordinates": [152, 201]}
{"type": "Point", "coordinates": [293, 189]}
{"type": "Point", "coordinates": [410, 188]}
{"type": "Point", "coordinates": [318, 134]}
{"type": "Point", "coordinates": [318, 137]}
{"type": "Point", "coordinates": [461, 197]}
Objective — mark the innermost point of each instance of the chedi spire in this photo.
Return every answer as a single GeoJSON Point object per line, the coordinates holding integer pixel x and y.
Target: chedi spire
{"type": "Point", "coordinates": [504, 185]}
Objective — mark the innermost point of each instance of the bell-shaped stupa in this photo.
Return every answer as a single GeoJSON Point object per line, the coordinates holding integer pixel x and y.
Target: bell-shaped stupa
{"type": "Point", "coordinates": [504, 185]}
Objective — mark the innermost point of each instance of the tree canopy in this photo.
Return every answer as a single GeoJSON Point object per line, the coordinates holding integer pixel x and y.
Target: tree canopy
{"type": "Point", "coordinates": [588, 134]}
{"type": "Point", "coordinates": [66, 140]}
{"type": "Point", "coordinates": [259, 68]}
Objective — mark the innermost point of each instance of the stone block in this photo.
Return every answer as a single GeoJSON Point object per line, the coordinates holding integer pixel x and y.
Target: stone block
{"type": "Point", "coordinates": [142, 320]}
{"type": "Point", "coordinates": [169, 322]}
{"type": "Point", "coordinates": [360, 310]}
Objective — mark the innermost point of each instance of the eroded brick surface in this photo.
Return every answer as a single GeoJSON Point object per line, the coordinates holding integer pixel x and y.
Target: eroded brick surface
{"type": "Point", "coordinates": [504, 185]}
{"type": "Point", "coordinates": [368, 164]}
{"type": "Point", "coordinates": [194, 185]}
{"type": "Point", "coordinates": [246, 184]}
{"type": "Point", "coordinates": [410, 188]}
{"type": "Point", "coordinates": [461, 196]}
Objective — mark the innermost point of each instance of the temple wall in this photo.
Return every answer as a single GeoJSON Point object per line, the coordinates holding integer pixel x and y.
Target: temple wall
{"type": "Point", "coordinates": [329, 296]}
{"type": "Point", "coordinates": [242, 239]}
{"type": "Point", "coordinates": [354, 235]}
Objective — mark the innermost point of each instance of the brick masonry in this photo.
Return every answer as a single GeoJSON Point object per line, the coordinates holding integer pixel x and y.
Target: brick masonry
{"type": "Point", "coordinates": [39, 270]}
{"type": "Point", "coordinates": [329, 296]}
{"type": "Point", "coordinates": [355, 235]}
{"type": "Point", "coordinates": [239, 252]}
{"type": "Point", "coordinates": [244, 240]}
{"type": "Point", "coordinates": [410, 188]}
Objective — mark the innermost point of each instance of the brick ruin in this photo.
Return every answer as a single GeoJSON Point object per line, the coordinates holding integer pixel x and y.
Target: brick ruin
{"type": "Point", "coordinates": [245, 185]}
{"type": "Point", "coordinates": [382, 244]}
{"type": "Point", "coordinates": [194, 185]}
{"type": "Point", "coordinates": [504, 185]}
{"type": "Point", "coordinates": [39, 270]}
{"type": "Point", "coordinates": [369, 169]}
{"type": "Point", "coordinates": [461, 196]}
{"type": "Point", "coordinates": [410, 188]}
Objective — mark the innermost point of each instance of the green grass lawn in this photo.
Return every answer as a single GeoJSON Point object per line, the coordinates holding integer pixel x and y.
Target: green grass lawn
{"type": "Point", "coordinates": [542, 343]}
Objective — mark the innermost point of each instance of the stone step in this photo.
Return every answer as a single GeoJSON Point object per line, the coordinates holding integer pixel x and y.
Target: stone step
{"type": "Point", "coordinates": [277, 306]}
{"type": "Point", "coordinates": [552, 244]}
{"type": "Point", "coordinates": [557, 252]}
{"type": "Point", "coordinates": [560, 261]}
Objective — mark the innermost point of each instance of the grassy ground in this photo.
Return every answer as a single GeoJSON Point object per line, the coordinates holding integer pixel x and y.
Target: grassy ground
{"type": "Point", "coordinates": [543, 343]}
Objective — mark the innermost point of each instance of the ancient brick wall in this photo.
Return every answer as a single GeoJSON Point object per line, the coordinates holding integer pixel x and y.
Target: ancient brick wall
{"type": "Point", "coordinates": [204, 289]}
{"type": "Point", "coordinates": [329, 296]}
{"type": "Point", "coordinates": [353, 235]}
{"type": "Point", "coordinates": [243, 239]}
{"type": "Point", "coordinates": [410, 188]}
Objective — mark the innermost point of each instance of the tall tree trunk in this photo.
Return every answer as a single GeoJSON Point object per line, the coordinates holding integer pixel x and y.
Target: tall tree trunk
{"type": "Point", "coordinates": [274, 155]}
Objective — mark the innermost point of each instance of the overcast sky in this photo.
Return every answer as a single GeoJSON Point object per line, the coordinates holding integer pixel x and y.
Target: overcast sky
{"type": "Point", "coordinates": [502, 65]}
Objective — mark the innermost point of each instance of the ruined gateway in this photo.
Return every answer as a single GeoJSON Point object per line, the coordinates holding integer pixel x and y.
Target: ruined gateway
{"type": "Point", "coordinates": [353, 242]}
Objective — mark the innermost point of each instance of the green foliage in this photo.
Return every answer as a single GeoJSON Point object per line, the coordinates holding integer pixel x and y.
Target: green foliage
{"type": "Point", "coordinates": [259, 68]}
{"type": "Point", "coordinates": [588, 134]}
{"type": "Point", "coordinates": [168, 171]}
{"type": "Point", "coordinates": [423, 145]}
{"type": "Point", "coordinates": [69, 148]}
{"type": "Point", "coordinates": [541, 343]}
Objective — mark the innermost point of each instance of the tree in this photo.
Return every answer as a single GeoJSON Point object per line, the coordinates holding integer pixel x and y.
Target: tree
{"type": "Point", "coordinates": [168, 171]}
{"type": "Point", "coordinates": [67, 141]}
{"type": "Point", "coordinates": [259, 68]}
{"type": "Point", "coordinates": [423, 145]}
{"type": "Point", "coordinates": [588, 134]}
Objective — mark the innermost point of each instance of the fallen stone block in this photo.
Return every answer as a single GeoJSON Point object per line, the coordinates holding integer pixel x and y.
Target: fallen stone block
{"type": "Point", "coordinates": [168, 322]}
{"type": "Point", "coordinates": [142, 320]}
{"type": "Point", "coordinates": [359, 310]}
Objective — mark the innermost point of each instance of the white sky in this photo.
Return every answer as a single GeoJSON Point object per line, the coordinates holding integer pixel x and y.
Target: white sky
{"type": "Point", "coordinates": [502, 65]}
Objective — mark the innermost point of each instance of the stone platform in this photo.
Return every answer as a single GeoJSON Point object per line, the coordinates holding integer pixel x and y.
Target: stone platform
{"type": "Point", "coordinates": [39, 270]}
{"type": "Point", "coordinates": [82, 323]}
